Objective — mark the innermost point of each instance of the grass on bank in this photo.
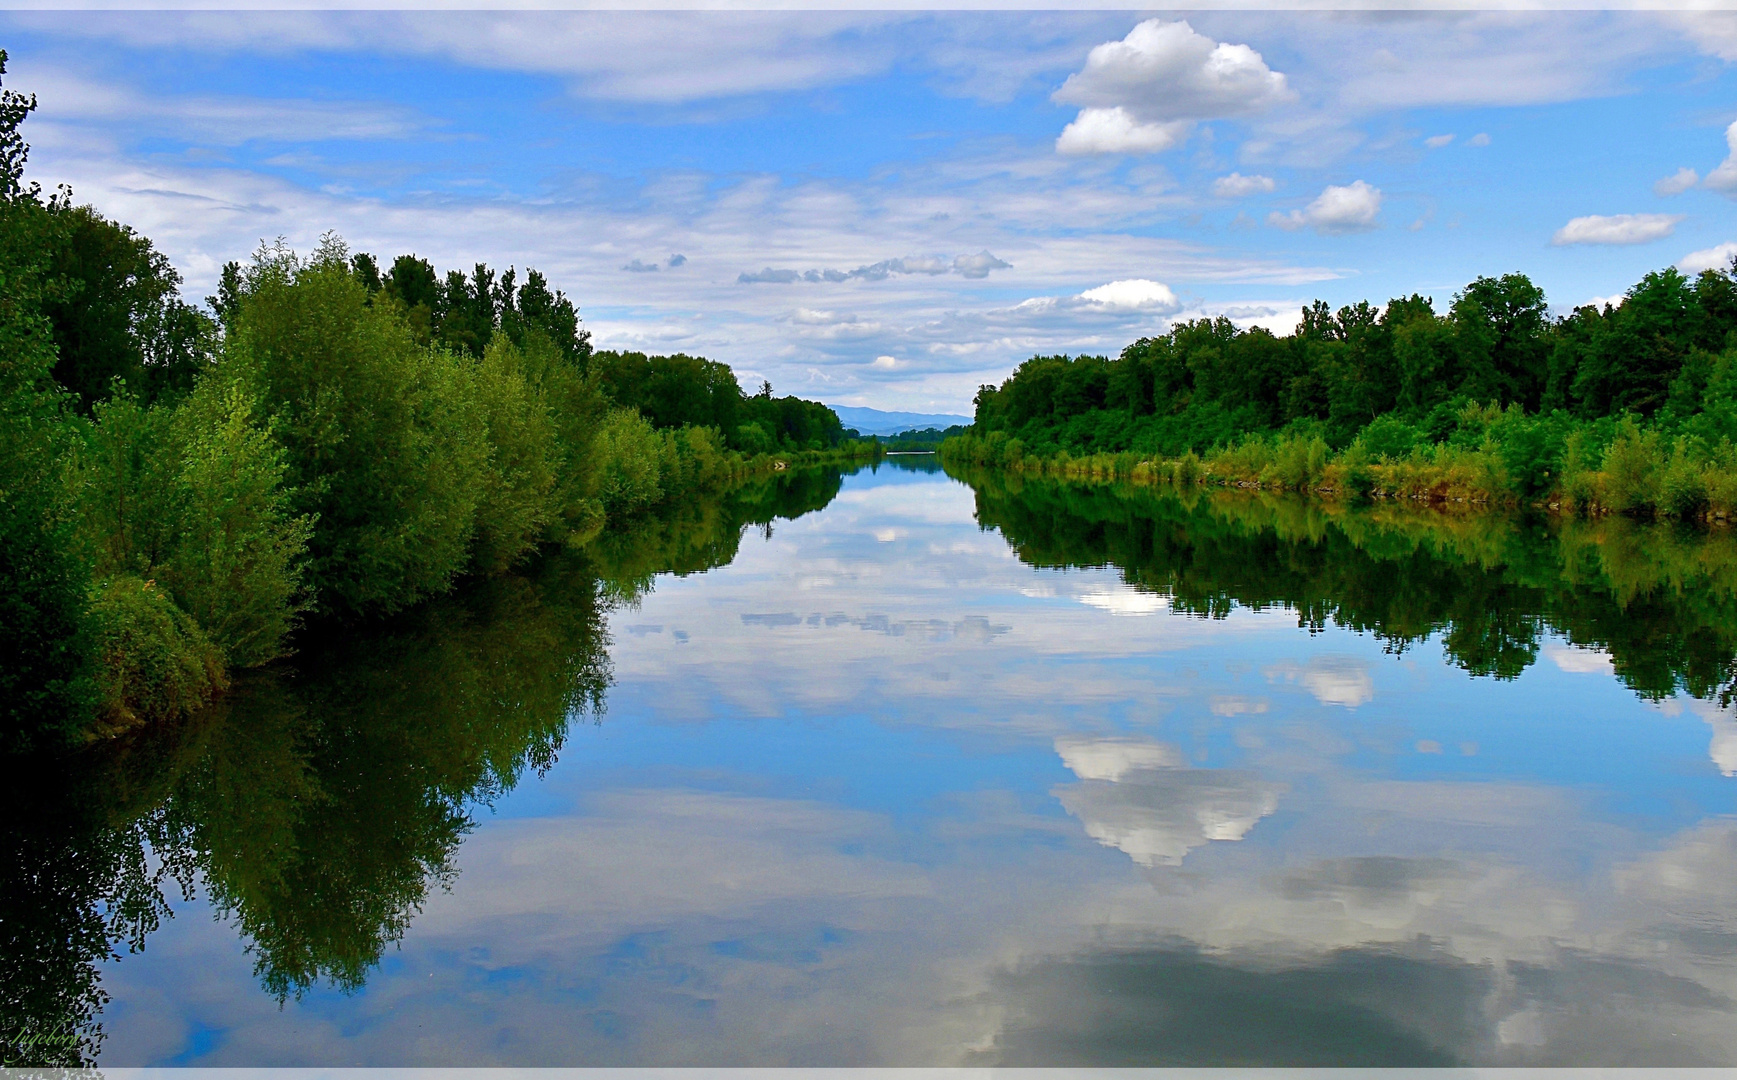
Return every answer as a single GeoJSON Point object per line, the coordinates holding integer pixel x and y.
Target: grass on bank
{"type": "Point", "coordinates": [1493, 456]}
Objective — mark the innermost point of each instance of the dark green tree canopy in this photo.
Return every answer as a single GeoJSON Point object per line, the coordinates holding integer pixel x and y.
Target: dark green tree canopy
{"type": "Point", "coordinates": [1207, 383]}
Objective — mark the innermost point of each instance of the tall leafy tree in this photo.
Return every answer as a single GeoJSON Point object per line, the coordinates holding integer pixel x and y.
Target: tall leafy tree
{"type": "Point", "coordinates": [45, 685]}
{"type": "Point", "coordinates": [116, 313]}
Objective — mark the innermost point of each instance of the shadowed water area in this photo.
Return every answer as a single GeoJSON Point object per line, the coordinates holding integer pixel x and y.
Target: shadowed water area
{"type": "Point", "coordinates": [900, 768]}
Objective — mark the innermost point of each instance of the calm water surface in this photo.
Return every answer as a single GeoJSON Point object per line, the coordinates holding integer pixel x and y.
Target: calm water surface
{"type": "Point", "coordinates": [928, 775]}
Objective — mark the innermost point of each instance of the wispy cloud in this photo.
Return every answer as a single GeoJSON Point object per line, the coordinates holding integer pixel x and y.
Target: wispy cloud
{"type": "Point", "coordinates": [1677, 183]}
{"type": "Point", "coordinates": [968, 266]}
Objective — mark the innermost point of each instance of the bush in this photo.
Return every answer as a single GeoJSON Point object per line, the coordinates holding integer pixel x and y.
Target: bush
{"type": "Point", "coordinates": [628, 450]}
{"type": "Point", "coordinates": [516, 504]}
{"type": "Point", "coordinates": [192, 497]}
{"type": "Point", "coordinates": [153, 661]}
{"type": "Point", "coordinates": [1388, 438]}
{"type": "Point", "coordinates": [1682, 485]}
{"type": "Point", "coordinates": [751, 438]}
{"type": "Point", "coordinates": [1299, 461]}
{"type": "Point", "coordinates": [1631, 463]}
{"type": "Point", "coordinates": [45, 686]}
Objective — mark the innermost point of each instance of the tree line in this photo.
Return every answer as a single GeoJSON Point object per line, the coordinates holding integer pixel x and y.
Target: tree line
{"type": "Point", "coordinates": [181, 488]}
{"type": "Point", "coordinates": [1628, 406]}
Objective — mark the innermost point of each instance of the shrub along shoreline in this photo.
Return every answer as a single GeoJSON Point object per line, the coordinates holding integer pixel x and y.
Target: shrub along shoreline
{"type": "Point", "coordinates": [181, 487]}
{"type": "Point", "coordinates": [1635, 471]}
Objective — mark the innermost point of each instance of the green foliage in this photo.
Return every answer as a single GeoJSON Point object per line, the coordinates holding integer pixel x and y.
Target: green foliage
{"type": "Point", "coordinates": [1662, 601]}
{"type": "Point", "coordinates": [116, 311]}
{"type": "Point", "coordinates": [464, 313]}
{"type": "Point", "coordinates": [672, 391]}
{"type": "Point", "coordinates": [192, 496]}
{"type": "Point", "coordinates": [45, 684]}
{"type": "Point", "coordinates": [515, 509]}
{"type": "Point", "coordinates": [627, 450]}
{"type": "Point", "coordinates": [358, 441]}
{"type": "Point", "coordinates": [388, 450]}
{"type": "Point", "coordinates": [920, 439]}
{"type": "Point", "coordinates": [751, 438]}
{"type": "Point", "coordinates": [1623, 409]}
{"type": "Point", "coordinates": [155, 663]}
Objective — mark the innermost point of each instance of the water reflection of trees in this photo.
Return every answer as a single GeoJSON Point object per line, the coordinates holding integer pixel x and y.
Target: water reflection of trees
{"type": "Point", "coordinates": [1661, 600]}
{"type": "Point", "coordinates": [318, 803]}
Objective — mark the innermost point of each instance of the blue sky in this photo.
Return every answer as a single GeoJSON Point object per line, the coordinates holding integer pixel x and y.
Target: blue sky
{"type": "Point", "coordinates": [951, 192]}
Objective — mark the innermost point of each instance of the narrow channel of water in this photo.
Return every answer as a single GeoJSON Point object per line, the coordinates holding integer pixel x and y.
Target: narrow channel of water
{"type": "Point", "coordinates": [892, 768]}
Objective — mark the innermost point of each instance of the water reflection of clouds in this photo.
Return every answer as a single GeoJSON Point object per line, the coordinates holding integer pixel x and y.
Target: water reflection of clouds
{"type": "Point", "coordinates": [1455, 920]}
{"type": "Point", "coordinates": [1578, 660]}
{"type": "Point", "coordinates": [1513, 918]}
{"type": "Point", "coordinates": [1123, 601]}
{"type": "Point", "coordinates": [1723, 747]}
{"type": "Point", "coordinates": [1333, 680]}
{"type": "Point", "coordinates": [1290, 897]}
{"type": "Point", "coordinates": [952, 598]}
{"type": "Point", "coordinates": [1137, 795]}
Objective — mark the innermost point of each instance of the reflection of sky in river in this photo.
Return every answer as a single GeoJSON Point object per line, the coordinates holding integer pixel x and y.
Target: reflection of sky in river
{"type": "Point", "coordinates": [878, 793]}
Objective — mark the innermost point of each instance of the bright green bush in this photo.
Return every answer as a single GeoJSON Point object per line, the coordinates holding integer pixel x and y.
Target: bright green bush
{"type": "Point", "coordinates": [752, 438]}
{"type": "Point", "coordinates": [628, 451]}
{"type": "Point", "coordinates": [1630, 473]}
{"type": "Point", "coordinates": [192, 496]}
{"type": "Point", "coordinates": [516, 503]}
{"type": "Point", "coordinates": [1389, 438]}
{"type": "Point", "coordinates": [153, 661]}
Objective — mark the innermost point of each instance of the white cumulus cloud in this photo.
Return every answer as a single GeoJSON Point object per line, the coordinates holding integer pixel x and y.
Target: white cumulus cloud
{"type": "Point", "coordinates": [1338, 209]}
{"type": "Point", "coordinates": [1677, 183]}
{"type": "Point", "coordinates": [1436, 142]}
{"type": "Point", "coordinates": [1713, 258]}
{"type": "Point", "coordinates": [1115, 131]}
{"type": "Point", "coordinates": [1142, 94]}
{"type": "Point", "coordinates": [1724, 178]}
{"type": "Point", "coordinates": [1238, 186]}
{"type": "Point", "coordinates": [1134, 294]}
{"type": "Point", "coordinates": [1616, 229]}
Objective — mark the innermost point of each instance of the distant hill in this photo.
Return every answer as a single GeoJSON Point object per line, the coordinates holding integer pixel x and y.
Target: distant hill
{"type": "Point", "coordinates": [877, 422]}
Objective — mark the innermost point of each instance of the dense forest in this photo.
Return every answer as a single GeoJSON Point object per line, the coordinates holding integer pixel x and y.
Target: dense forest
{"type": "Point", "coordinates": [1628, 407]}
{"type": "Point", "coordinates": [182, 487]}
{"type": "Point", "coordinates": [922, 440]}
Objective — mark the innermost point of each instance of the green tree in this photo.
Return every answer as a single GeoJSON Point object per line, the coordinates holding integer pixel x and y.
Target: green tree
{"type": "Point", "coordinates": [388, 451]}
{"type": "Point", "coordinates": [114, 304]}
{"type": "Point", "coordinates": [45, 682]}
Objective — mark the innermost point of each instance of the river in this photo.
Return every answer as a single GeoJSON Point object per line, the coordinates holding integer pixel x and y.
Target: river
{"type": "Point", "coordinates": [890, 768]}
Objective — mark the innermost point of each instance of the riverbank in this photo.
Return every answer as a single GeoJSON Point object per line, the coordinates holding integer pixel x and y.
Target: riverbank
{"type": "Point", "coordinates": [1632, 472]}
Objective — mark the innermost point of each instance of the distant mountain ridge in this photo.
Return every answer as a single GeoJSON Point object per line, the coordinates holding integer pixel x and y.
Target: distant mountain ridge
{"type": "Point", "coordinates": [879, 422]}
